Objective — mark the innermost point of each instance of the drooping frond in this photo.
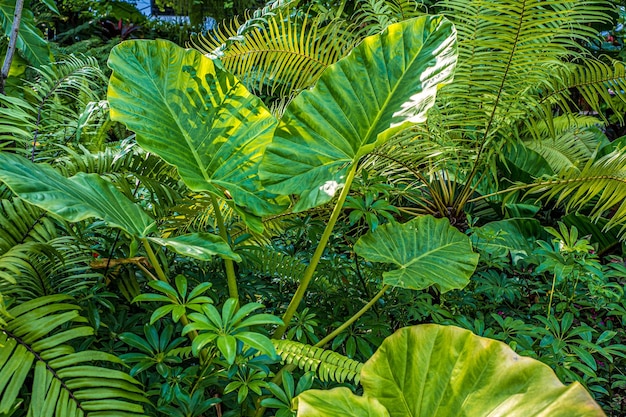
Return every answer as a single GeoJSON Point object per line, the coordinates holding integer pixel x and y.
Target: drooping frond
{"type": "Point", "coordinates": [21, 222]}
{"type": "Point", "coordinates": [272, 263]}
{"type": "Point", "coordinates": [570, 150]}
{"type": "Point", "coordinates": [224, 38]}
{"type": "Point", "coordinates": [53, 108]}
{"type": "Point", "coordinates": [37, 363]}
{"type": "Point", "coordinates": [329, 365]}
{"type": "Point", "coordinates": [597, 83]}
{"type": "Point", "coordinates": [373, 16]}
{"type": "Point", "coordinates": [599, 185]}
{"type": "Point", "coordinates": [34, 259]}
{"type": "Point", "coordinates": [284, 55]}
{"type": "Point", "coordinates": [508, 48]}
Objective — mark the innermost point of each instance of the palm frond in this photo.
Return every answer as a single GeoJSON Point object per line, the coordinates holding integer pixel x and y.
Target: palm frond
{"type": "Point", "coordinates": [373, 16]}
{"type": "Point", "coordinates": [224, 38]}
{"type": "Point", "coordinates": [52, 110]}
{"type": "Point", "coordinates": [570, 150]}
{"type": "Point", "coordinates": [35, 259]}
{"type": "Point", "coordinates": [265, 261]}
{"type": "Point", "coordinates": [597, 83]}
{"type": "Point", "coordinates": [284, 55]}
{"type": "Point", "coordinates": [508, 48]}
{"type": "Point", "coordinates": [599, 185]}
{"type": "Point", "coordinates": [38, 363]}
{"type": "Point", "coordinates": [329, 365]}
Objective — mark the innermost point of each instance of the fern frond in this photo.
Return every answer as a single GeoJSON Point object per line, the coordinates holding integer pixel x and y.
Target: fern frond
{"type": "Point", "coordinates": [22, 222]}
{"type": "Point", "coordinates": [373, 16]}
{"type": "Point", "coordinates": [286, 55]}
{"type": "Point", "coordinates": [37, 363]}
{"type": "Point", "coordinates": [272, 263]}
{"type": "Point", "coordinates": [329, 365]}
{"type": "Point", "coordinates": [16, 264]}
{"type": "Point", "coordinates": [50, 112]}
{"type": "Point", "coordinates": [597, 82]}
{"type": "Point", "coordinates": [508, 49]}
{"type": "Point", "coordinates": [570, 150]}
{"type": "Point", "coordinates": [600, 184]}
{"type": "Point", "coordinates": [222, 39]}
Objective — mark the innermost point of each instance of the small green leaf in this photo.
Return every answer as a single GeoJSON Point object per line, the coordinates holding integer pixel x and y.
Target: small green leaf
{"type": "Point", "coordinates": [258, 341]}
{"type": "Point", "coordinates": [227, 344]}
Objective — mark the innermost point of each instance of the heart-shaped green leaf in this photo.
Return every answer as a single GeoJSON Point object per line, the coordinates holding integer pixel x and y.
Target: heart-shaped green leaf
{"type": "Point", "coordinates": [427, 251]}
{"type": "Point", "coordinates": [195, 116]}
{"type": "Point", "coordinates": [200, 246]}
{"type": "Point", "coordinates": [80, 197]}
{"type": "Point", "coordinates": [440, 371]}
{"type": "Point", "coordinates": [388, 82]}
{"type": "Point", "coordinates": [433, 370]}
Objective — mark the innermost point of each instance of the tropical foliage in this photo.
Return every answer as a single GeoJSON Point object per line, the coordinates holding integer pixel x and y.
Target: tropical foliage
{"type": "Point", "coordinates": [256, 227]}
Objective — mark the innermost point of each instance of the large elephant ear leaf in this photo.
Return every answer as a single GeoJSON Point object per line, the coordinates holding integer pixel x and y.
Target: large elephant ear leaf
{"type": "Point", "coordinates": [195, 116]}
{"type": "Point", "coordinates": [74, 199]}
{"type": "Point", "coordinates": [426, 251]}
{"type": "Point", "coordinates": [388, 82]}
{"type": "Point", "coordinates": [337, 402]}
{"type": "Point", "coordinates": [433, 370]}
{"type": "Point", "coordinates": [439, 371]}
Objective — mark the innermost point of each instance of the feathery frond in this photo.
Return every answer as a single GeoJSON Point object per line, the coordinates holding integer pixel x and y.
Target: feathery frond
{"type": "Point", "coordinates": [329, 365]}
{"type": "Point", "coordinates": [599, 185]}
{"type": "Point", "coordinates": [53, 108]}
{"type": "Point", "coordinates": [37, 363]}
{"type": "Point", "coordinates": [284, 55]}
{"type": "Point", "coordinates": [373, 16]}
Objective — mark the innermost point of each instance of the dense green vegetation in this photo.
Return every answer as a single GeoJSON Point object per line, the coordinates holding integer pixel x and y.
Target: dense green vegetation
{"type": "Point", "coordinates": [309, 210]}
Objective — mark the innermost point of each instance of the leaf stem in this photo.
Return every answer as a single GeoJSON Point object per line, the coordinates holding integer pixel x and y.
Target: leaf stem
{"type": "Point", "coordinates": [354, 318]}
{"type": "Point", "coordinates": [310, 270]}
{"type": "Point", "coordinates": [153, 260]}
{"type": "Point", "coordinates": [231, 278]}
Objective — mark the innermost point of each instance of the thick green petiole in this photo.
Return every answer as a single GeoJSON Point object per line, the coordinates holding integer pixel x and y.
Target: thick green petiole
{"type": "Point", "coordinates": [310, 270]}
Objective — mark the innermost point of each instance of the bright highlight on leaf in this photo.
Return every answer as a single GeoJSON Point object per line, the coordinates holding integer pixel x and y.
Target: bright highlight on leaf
{"type": "Point", "coordinates": [426, 251]}
{"type": "Point", "coordinates": [195, 116]}
{"type": "Point", "coordinates": [433, 370]}
{"type": "Point", "coordinates": [385, 84]}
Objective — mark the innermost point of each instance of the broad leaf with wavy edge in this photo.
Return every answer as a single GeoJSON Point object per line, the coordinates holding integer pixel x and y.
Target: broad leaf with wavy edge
{"type": "Point", "coordinates": [439, 371]}
{"type": "Point", "coordinates": [427, 251]}
{"type": "Point", "coordinates": [388, 82]}
{"type": "Point", "coordinates": [195, 116]}
{"type": "Point", "coordinates": [77, 198]}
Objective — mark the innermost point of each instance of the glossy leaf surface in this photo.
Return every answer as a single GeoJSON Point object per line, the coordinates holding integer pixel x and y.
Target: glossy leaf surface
{"type": "Point", "coordinates": [388, 82]}
{"type": "Point", "coordinates": [427, 251]}
{"type": "Point", "coordinates": [195, 116]}
{"type": "Point", "coordinates": [433, 370]}
{"type": "Point", "coordinates": [338, 402]}
{"type": "Point", "coordinates": [200, 246]}
{"type": "Point", "coordinates": [440, 371]}
{"type": "Point", "coordinates": [80, 197]}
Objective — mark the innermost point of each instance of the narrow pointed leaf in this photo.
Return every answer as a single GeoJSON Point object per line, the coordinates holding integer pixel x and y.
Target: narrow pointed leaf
{"type": "Point", "coordinates": [388, 82]}
{"type": "Point", "coordinates": [80, 197]}
{"type": "Point", "coordinates": [195, 116]}
{"type": "Point", "coordinates": [427, 251]}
